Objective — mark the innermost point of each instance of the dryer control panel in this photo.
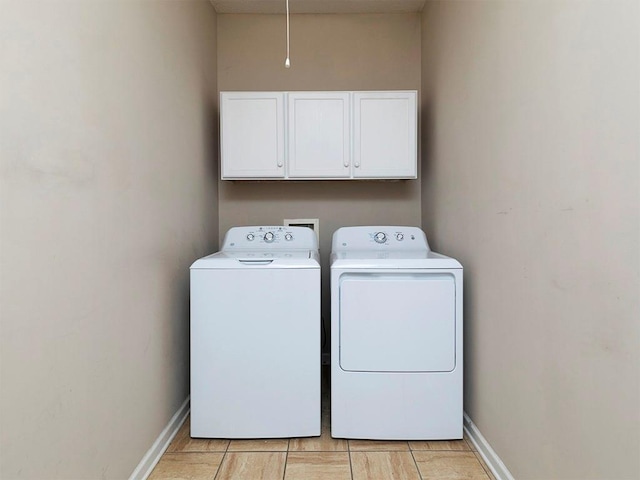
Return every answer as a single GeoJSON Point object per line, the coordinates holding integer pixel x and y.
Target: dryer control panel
{"type": "Point", "coordinates": [270, 238]}
{"type": "Point", "coordinates": [379, 237]}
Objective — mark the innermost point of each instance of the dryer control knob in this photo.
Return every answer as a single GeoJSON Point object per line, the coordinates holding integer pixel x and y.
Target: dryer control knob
{"type": "Point", "coordinates": [399, 236]}
{"type": "Point", "coordinates": [250, 237]}
{"type": "Point", "coordinates": [288, 237]}
{"type": "Point", "coordinates": [380, 237]}
{"type": "Point", "coordinates": [269, 237]}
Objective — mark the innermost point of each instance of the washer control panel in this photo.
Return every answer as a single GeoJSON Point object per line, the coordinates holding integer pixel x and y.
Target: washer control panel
{"type": "Point", "coordinates": [270, 237]}
{"type": "Point", "coordinates": [382, 237]}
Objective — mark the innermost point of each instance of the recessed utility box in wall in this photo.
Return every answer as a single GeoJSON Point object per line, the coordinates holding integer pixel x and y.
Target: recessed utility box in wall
{"type": "Point", "coordinates": [312, 223]}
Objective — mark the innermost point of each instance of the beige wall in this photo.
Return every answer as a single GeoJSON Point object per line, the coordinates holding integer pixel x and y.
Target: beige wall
{"type": "Point", "coordinates": [328, 52]}
{"type": "Point", "coordinates": [108, 174]}
{"type": "Point", "coordinates": [531, 178]}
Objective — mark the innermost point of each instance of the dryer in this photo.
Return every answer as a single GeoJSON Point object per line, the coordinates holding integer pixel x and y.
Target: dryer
{"type": "Point", "coordinates": [255, 336]}
{"type": "Point", "coordinates": [396, 336]}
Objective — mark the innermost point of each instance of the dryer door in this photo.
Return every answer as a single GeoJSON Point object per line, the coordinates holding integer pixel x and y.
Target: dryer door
{"type": "Point", "coordinates": [397, 322]}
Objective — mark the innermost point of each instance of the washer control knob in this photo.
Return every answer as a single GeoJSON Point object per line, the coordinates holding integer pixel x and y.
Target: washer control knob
{"type": "Point", "coordinates": [250, 237]}
{"type": "Point", "coordinates": [288, 237]}
{"type": "Point", "coordinates": [399, 236]}
{"type": "Point", "coordinates": [380, 237]}
{"type": "Point", "coordinates": [269, 237]}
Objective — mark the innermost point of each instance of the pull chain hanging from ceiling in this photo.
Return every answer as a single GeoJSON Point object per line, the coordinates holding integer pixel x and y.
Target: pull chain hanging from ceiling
{"type": "Point", "coordinates": [287, 63]}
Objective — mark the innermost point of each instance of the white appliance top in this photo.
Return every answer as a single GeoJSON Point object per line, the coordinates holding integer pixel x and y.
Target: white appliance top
{"type": "Point", "coordinates": [385, 247]}
{"type": "Point", "coordinates": [265, 246]}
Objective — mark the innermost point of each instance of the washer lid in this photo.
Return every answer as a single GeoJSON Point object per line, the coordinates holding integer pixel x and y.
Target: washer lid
{"type": "Point", "coordinates": [265, 255]}
{"type": "Point", "coordinates": [259, 259]}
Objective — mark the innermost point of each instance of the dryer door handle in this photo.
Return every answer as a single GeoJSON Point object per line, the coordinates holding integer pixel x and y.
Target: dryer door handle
{"type": "Point", "coordinates": [255, 262]}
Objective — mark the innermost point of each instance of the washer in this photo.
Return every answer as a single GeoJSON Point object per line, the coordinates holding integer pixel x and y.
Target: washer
{"type": "Point", "coordinates": [396, 336]}
{"type": "Point", "coordinates": [255, 336]}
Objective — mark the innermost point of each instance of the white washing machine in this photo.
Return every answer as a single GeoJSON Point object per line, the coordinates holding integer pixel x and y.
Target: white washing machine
{"type": "Point", "coordinates": [396, 336]}
{"type": "Point", "coordinates": [255, 336]}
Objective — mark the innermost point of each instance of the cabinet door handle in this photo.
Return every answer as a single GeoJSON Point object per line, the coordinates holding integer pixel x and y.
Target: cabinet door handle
{"type": "Point", "coordinates": [279, 163]}
{"type": "Point", "coordinates": [357, 164]}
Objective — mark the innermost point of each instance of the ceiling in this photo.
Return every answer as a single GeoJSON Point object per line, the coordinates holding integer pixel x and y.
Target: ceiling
{"type": "Point", "coordinates": [318, 6]}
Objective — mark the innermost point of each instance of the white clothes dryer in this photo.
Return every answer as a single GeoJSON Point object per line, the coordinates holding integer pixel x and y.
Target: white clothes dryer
{"type": "Point", "coordinates": [396, 336]}
{"type": "Point", "coordinates": [255, 336]}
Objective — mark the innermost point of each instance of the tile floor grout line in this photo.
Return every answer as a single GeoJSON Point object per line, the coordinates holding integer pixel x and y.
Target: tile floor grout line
{"type": "Point", "coordinates": [350, 463]}
{"type": "Point", "coordinates": [415, 462]}
{"type": "Point", "coordinates": [257, 451]}
{"type": "Point", "coordinates": [286, 460]}
{"type": "Point", "coordinates": [469, 446]}
{"type": "Point", "coordinates": [224, 455]}
{"type": "Point", "coordinates": [482, 464]}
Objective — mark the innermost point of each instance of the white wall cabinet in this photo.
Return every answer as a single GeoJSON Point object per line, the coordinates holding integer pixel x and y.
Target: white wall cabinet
{"type": "Point", "coordinates": [328, 135]}
{"type": "Point", "coordinates": [319, 135]}
{"type": "Point", "coordinates": [385, 135]}
{"type": "Point", "coordinates": [252, 134]}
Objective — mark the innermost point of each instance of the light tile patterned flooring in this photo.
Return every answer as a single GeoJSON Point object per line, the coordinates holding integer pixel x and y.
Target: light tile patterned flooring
{"type": "Point", "coordinates": [318, 458]}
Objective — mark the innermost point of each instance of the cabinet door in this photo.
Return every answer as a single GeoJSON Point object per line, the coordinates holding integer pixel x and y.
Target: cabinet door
{"type": "Point", "coordinates": [252, 134]}
{"type": "Point", "coordinates": [385, 134]}
{"type": "Point", "coordinates": [319, 135]}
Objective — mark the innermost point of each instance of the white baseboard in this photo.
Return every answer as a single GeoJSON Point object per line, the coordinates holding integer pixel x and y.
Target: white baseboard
{"type": "Point", "coordinates": [487, 453]}
{"type": "Point", "coordinates": [152, 457]}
